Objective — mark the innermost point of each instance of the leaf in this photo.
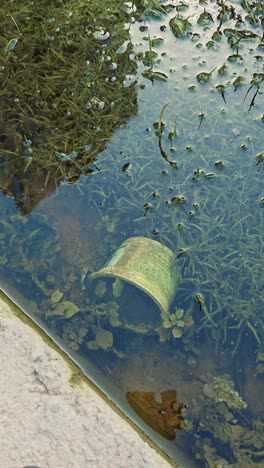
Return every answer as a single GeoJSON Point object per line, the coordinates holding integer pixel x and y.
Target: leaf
{"type": "Point", "coordinates": [165, 315]}
{"type": "Point", "coordinates": [56, 296]}
{"type": "Point", "coordinates": [260, 357]}
{"type": "Point", "coordinates": [167, 324]}
{"type": "Point", "coordinates": [239, 35]}
{"type": "Point", "coordinates": [180, 323]}
{"type": "Point", "coordinates": [238, 82]}
{"type": "Point", "coordinates": [235, 58]}
{"type": "Point", "coordinates": [100, 289]}
{"type": "Point", "coordinates": [92, 345]}
{"type": "Point", "coordinates": [203, 77]}
{"type": "Point", "coordinates": [257, 79]}
{"type": "Point", "coordinates": [114, 321]}
{"type": "Point", "coordinates": [179, 26]}
{"type": "Point", "coordinates": [156, 41]}
{"type": "Point", "coordinates": [217, 35]}
{"type": "Point", "coordinates": [104, 338]}
{"type": "Point", "coordinates": [179, 314]}
{"type": "Point", "coordinates": [67, 309]}
{"type": "Point", "coordinates": [205, 18]}
{"type": "Point", "coordinates": [11, 45]}
{"type": "Point", "coordinates": [149, 57]}
{"type": "Point", "coordinates": [151, 75]}
{"type": "Point", "coordinates": [188, 321]}
{"type": "Point", "coordinates": [260, 369]}
{"type": "Point", "coordinates": [211, 45]}
{"type": "Point", "coordinates": [176, 332]}
{"type": "Point", "coordinates": [118, 286]}
{"type": "Point", "coordinates": [182, 6]}
{"type": "Point", "coordinates": [223, 69]}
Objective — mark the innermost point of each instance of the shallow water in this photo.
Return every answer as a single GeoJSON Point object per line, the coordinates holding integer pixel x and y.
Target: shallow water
{"type": "Point", "coordinates": [164, 153]}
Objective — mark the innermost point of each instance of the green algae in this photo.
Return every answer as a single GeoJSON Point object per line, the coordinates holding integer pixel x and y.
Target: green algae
{"type": "Point", "coordinates": [221, 391]}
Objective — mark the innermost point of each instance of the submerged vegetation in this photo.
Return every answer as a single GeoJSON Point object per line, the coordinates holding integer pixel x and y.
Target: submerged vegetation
{"type": "Point", "coordinates": [145, 119]}
{"type": "Point", "coordinates": [61, 89]}
{"type": "Point", "coordinates": [218, 412]}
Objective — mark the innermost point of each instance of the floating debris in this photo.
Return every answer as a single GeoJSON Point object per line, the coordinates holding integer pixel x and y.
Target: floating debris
{"type": "Point", "coordinates": [165, 417]}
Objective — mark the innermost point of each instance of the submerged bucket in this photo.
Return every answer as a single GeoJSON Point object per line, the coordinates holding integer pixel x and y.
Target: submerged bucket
{"type": "Point", "coordinates": [146, 265]}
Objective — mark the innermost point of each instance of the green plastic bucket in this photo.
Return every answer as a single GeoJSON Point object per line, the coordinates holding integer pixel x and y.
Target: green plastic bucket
{"type": "Point", "coordinates": [148, 266]}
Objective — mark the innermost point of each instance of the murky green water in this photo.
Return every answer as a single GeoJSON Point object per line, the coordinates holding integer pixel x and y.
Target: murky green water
{"type": "Point", "coordinates": [144, 120]}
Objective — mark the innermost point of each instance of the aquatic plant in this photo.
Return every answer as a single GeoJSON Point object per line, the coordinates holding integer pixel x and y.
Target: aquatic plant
{"type": "Point", "coordinates": [62, 90]}
{"type": "Point", "coordinates": [221, 391]}
{"type": "Point", "coordinates": [180, 26]}
{"type": "Point", "coordinates": [217, 413]}
{"type": "Point", "coordinates": [177, 322]}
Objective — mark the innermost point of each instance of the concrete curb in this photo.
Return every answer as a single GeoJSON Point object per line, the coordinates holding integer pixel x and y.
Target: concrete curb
{"type": "Point", "coordinates": [46, 421]}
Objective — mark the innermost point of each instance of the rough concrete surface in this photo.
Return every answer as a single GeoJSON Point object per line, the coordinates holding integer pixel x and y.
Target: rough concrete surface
{"type": "Point", "coordinates": [47, 423]}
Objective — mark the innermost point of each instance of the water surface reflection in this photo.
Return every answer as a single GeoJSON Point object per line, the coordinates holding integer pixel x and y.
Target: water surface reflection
{"type": "Point", "coordinates": [145, 120]}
